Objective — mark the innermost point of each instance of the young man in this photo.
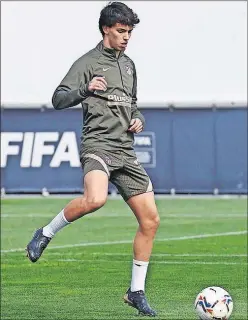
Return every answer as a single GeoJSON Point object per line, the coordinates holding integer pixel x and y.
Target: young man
{"type": "Point", "coordinates": [104, 81]}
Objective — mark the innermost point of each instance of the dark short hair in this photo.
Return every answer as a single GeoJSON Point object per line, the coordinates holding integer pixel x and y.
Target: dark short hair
{"type": "Point", "coordinates": [117, 12]}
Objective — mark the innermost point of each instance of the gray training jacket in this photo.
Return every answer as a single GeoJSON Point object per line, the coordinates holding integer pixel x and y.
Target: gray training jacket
{"type": "Point", "coordinates": [107, 115]}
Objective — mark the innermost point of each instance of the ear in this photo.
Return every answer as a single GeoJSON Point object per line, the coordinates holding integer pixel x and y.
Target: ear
{"type": "Point", "coordinates": [105, 29]}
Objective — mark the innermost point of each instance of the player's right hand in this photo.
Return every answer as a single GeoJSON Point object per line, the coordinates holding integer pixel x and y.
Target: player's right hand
{"type": "Point", "coordinates": [97, 83]}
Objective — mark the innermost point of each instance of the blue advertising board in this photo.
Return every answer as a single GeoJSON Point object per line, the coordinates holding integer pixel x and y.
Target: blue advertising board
{"type": "Point", "coordinates": [191, 150]}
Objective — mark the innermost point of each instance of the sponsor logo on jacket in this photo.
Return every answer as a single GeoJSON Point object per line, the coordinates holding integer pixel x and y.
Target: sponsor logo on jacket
{"type": "Point", "coordinates": [114, 97]}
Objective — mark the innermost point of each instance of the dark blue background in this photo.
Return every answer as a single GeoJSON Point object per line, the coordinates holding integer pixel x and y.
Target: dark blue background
{"type": "Point", "coordinates": [197, 150]}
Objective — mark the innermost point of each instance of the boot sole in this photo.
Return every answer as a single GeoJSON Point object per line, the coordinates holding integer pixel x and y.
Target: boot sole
{"type": "Point", "coordinates": [130, 304]}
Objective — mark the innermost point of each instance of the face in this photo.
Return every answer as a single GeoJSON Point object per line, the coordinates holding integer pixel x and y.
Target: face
{"type": "Point", "coordinates": [117, 36]}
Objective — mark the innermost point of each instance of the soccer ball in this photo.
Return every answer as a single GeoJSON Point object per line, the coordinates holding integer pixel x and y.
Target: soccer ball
{"type": "Point", "coordinates": [214, 303]}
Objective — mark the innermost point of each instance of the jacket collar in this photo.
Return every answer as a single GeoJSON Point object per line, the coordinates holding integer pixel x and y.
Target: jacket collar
{"type": "Point", "coordinates": [109, 52]}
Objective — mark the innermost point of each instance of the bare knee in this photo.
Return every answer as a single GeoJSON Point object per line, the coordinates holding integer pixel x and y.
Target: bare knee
{"type": "Point", "coordinates": [150, 226]}
{"type": "Point", "coordinates": [155, 221]}
{"type": "Point", "coordinates": [95, 202]}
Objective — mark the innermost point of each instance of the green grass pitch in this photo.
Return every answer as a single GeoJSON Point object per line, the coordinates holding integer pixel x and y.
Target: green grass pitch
{"type": "Point", "coordinates": [86, 269]}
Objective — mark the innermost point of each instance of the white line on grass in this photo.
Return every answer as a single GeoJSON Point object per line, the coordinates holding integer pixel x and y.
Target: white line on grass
{"type": "Point", "coordinates": [172, 254]}
{"type": "Point", "coordinates": [157, 262]}
{"type": "Point", "coordinates": [88, 244]}
{"type": "Point", "coordinates": [211, 255]}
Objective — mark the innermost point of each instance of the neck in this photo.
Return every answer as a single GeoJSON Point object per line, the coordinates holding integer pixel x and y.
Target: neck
{"type": "Point", "coordinates": [107, 45]}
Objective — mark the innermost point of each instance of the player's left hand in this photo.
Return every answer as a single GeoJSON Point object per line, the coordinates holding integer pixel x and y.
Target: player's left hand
{"type": "Point", "coordinates": [135, 126]}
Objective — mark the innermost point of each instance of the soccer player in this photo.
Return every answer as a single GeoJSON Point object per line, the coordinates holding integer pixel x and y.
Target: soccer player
{"type": "Point", "coordinates": [104, 81]}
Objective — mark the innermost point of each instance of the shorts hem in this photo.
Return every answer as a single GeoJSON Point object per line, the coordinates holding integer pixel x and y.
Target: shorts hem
{"type": "Point", "coordinates": [135, 194]}
{"type": "Point", "coordinates": [84, 173]}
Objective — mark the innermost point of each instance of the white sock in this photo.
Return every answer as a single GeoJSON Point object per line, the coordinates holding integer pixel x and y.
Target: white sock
{"type": "Point", "coordinates": [55, 225]}
{"type": "Point", "coordinates": [139, 275]}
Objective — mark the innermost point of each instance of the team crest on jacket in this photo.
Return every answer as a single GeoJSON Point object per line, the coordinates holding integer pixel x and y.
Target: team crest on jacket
{"type": "Point", "coordinates": [108, 160]}
{"type": "Point", "coordinates": [128, 70]}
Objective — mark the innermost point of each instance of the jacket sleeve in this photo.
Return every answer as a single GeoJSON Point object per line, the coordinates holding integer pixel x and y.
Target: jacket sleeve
{"type": "Point", "coordinates": [73, 89]}
{"type": "Point", "coordinates": [134, 109]}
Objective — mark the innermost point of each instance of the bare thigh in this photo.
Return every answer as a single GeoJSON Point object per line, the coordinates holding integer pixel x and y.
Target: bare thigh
{"type": "Point", "coordinates": [96, 186]}
{"type": "Point", "coordinates": [144, 208]}
{"type": "Point", "coordinates": [95, 195]}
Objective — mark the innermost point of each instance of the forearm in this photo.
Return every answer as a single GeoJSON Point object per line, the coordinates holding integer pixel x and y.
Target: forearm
{"type": "Point", "coordinates": [64, 98]}
{"type": "Point", "coordinates": [137, 114]}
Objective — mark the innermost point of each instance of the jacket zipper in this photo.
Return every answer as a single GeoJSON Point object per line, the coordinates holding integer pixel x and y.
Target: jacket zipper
{"type": "Point", "coordinates": [120, 75]}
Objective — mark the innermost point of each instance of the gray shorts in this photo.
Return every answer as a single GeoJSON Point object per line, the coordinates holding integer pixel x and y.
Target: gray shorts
{"type": "Point", "coordinates": [122, 168]}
